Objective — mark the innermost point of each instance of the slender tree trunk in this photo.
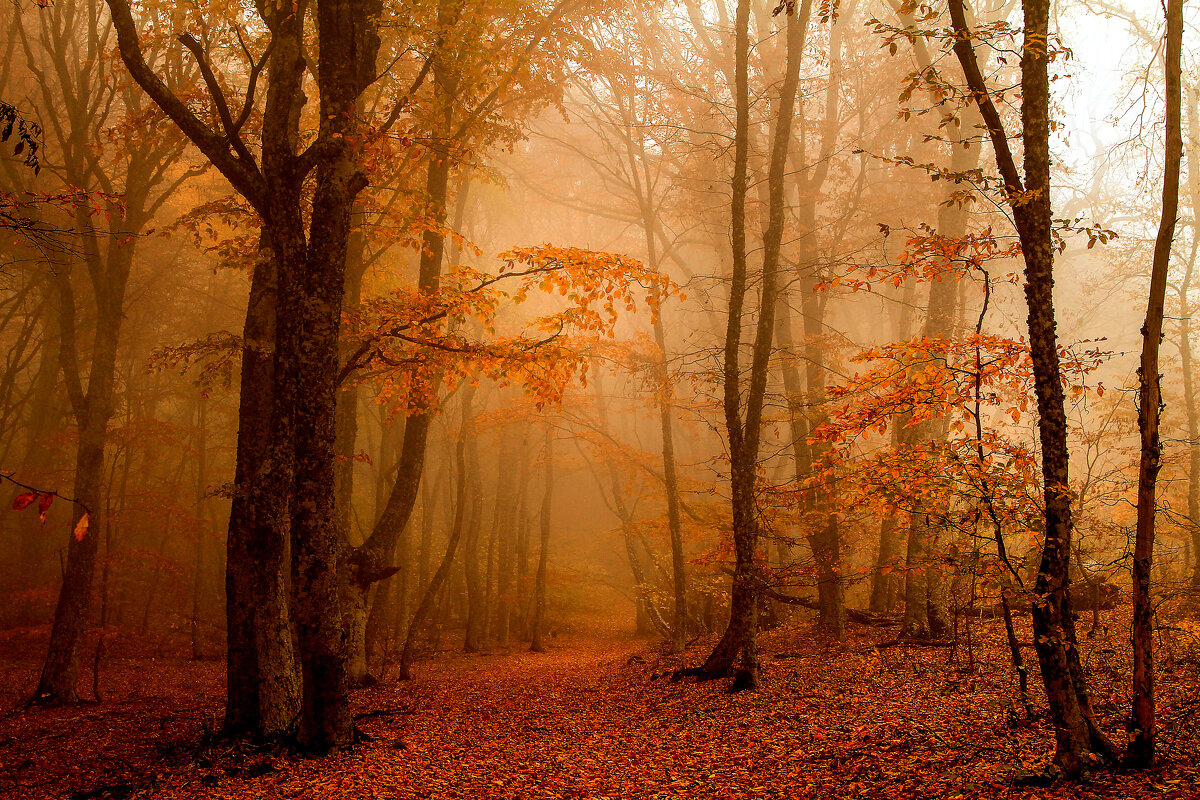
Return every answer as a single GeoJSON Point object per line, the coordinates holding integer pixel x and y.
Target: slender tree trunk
{"type": "Point", "coordinates": [1142, 743]}
{"type": "Point", "coordinates": [522, 544]}
{"type": "Point", "coordinates": [537, 645]}
{"type": "Point", "coordinates": [886, 564]}
{"type": "Point", "coordinates": [1185, 343]}
{"type": "Point", "coordinates": [40, 421]}
{"type": "Point", "coordinates": [428, 600]}
{"type": "Point", "coordinates": [201, 502]}
{"type": "Point", "coordinates": [354, 602]}
{"type": "Point", "coordinates": [1076, 731]}
{"type": "Point", "coordinates": [740, 638]}
{"type": "Point", "coordinates": [473, 640]}
{"type": "Point", "coordinates": [368, 562]}
{"type": "Point", "coordinates": [60, 671]}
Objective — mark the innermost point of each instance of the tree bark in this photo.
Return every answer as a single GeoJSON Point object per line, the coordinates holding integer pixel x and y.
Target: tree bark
{"type": "Point", "coordinates": [1076, 733]}
{"type": "Point", "coordinates": [262, 678]}
{"type": "Point", "coordinates": [1141, 750]}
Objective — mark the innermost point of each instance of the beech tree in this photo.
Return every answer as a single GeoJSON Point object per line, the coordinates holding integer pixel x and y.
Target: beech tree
{"type": "Point", "coordinates": [1142, 744]}
{"type": "Point", "coordinates": [310, 273]}
{"type": "Point", "coordinates": [1079, 741]}
{"type": "Point", "coordinates": [76, 86]}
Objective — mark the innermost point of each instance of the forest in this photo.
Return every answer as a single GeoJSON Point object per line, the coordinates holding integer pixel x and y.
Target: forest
{"type": "Point", "coordinates": [599, 398]}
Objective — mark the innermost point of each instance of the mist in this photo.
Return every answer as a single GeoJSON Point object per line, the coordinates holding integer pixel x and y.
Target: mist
{"type": "Point", "coordinates": [592, 398]}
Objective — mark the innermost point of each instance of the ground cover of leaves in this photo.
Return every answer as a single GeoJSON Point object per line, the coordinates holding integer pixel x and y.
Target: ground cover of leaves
{"type": "Point", "coordinates": [597, 716]}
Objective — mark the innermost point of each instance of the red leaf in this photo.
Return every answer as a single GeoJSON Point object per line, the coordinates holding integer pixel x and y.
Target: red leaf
{"type": "Point", "coordinates": [44, 505]}
{"type": "Point", "coordinates": [23, 500]}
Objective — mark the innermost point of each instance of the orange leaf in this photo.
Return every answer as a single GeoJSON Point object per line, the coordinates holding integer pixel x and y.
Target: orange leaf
{"type": "Point", "coordinates": [81, 527]}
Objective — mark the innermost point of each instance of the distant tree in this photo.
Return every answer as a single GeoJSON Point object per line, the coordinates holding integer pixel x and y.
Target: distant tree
{"type": "Point", "coordinates": [119, 189]}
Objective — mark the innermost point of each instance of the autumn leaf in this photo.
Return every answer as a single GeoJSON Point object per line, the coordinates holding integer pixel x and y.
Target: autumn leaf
{"type": "Point", "coordinates": [23, 500]}
{"type": "Point", "coordinates": [81, 527]}
{"type": "Point", "coordinates": [44, 506]}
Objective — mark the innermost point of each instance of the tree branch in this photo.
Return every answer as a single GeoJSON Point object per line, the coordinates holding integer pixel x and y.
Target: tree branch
{"type": "Point", "coordinates": [243, 173]}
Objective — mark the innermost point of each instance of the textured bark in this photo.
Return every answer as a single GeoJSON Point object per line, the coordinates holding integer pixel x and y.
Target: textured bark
{"type": "Point", "coordinates": [1030, 199]}
{"type": "Point", "coordinates": [262, 679]}
{"type": "Point", "coordinates": [347, 44]}
{"type": "Point", "coordinates": [310, 271]}
{"type": "Point", "coordinates": [1141, 751]}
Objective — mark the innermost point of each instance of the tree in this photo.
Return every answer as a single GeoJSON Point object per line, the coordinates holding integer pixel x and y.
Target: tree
{"type": "Point", "coordinates": [1078, 739]}
{"type": "Point", "coordinates": [742, 422]}
{"type": "Point", "coordinates": [130, 186]}
{"type": "Point", "coordinates": [310, 274]}
{"type": "Point", "coordinates": [1140, 752]}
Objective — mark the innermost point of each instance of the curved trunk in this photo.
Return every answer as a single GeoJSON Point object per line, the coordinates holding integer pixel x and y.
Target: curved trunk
{"type": "Point", "coordinates": [429, 598]}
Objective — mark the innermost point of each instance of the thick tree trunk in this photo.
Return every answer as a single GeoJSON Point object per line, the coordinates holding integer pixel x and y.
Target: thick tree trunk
{"type": "Point", "coordinates": [307, 356]}
{"type": "Point", "coordinates": [262, 679]}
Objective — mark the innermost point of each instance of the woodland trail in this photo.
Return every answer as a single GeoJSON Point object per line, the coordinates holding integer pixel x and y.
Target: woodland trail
{"type": "Point", "coordinates": [595, 716]}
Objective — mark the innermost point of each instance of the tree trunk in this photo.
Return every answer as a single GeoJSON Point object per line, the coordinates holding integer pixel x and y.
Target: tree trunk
{"type": "Point", "coordinates": [1076, 733]}
{"type": "Point", "coordinates": [473, 640]}
{"type": "Point", "coordinates": [537, 645]}
{"type": "Point", "coordinates": [739, 639]}
{"type": "Point", "coordinates": [60, 671]}
{"type": "Point", "coordinates": [428, 600]}
{"type": "Point", "coordinates": [1185, 344]}
{"type": "Point", "coordinates": [1142, 743]}
{"type": "Point", "coordinates": [262, 679]}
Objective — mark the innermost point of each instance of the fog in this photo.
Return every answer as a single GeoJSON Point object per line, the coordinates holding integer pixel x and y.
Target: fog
{"type": "Point", "coordinates": [344, 338]}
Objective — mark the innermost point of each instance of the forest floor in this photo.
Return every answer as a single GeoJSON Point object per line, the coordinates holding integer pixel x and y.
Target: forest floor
{"type": "Point", "coordinates": [597, 716]}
